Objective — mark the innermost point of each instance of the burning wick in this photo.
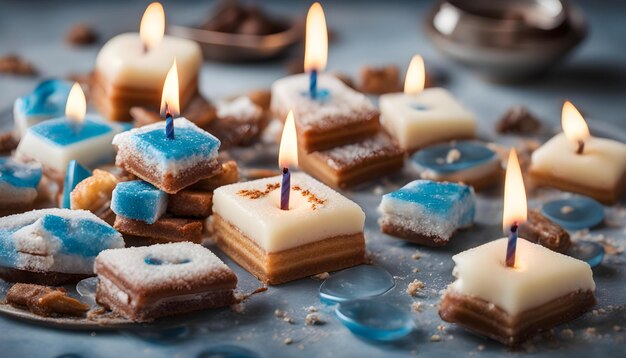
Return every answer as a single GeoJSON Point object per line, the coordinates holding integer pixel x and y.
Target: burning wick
{"type": "Point", "coordinates": [285, 189]}
{"type": "Point", "coordinates": [511, 246]}
{"type": "Point", "coordinates": [169, 123]}
{"type": "Point", "coordinates": [581, 147]}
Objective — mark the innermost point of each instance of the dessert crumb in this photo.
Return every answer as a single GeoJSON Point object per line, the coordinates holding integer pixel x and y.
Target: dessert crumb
{"type": "Point", "coordinates": [313, 319]}
{"type": "Point", "coordinates": [417, 307]}
{"type": "Point", "coordinates": [415, 287]}
{"type": "Point", "coordinates": [617, 328]}
{"type": "Point", "coordinates": [416, 255]}
{"type": "Point", "coordinates": [321, 276]}
{"type": "Point", "coordinates": [453, 156]}
{"type": "Point", "coordinates": [441, 328]}
{"type": "Point", "coordinates": [283, 315]}
{"type": "Point", "coordinates": [311, 309]}
{"type": "Point", "coordinates": [566, 209]}
{"type": "Point", "coordinates": [481, 347]}
{"type": "Point", "coordinates": [416, 270]}
{"type": "Point", "coordinates": [288, 341]}
{"type": "Point", "coordinates": [567, 333]}
{"type": "Point", "coordinates": [238, 307]}
{"type": "Point", "coordinates": [435, 338]}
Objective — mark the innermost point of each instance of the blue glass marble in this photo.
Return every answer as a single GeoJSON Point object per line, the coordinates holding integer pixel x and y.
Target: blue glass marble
{"type": "Point", "coordinates": [48, 98]}
{"type": "Point", "coordinates": [74, 174]}
{"type": "Point", "coordinates": [138, 200]}
{"type": "Point", "coordinates": [227, 351]}
{"type": "Point", "coordinates": [375, 319]}
{"type": "Point", "coordinates": [20, 175]}
{"type": "Point", "coordinates": [588, 251]}
{"type": "Point", "coordinates": [473, 153]}
{"type": "Point", "coordinates": [189, 142]}
{"type": "Point", "coordinates": [358, 282]}
{"type": "Point", "coordinates": [63, 131]}
{"type": "Point", "coordinates": [574, 213]}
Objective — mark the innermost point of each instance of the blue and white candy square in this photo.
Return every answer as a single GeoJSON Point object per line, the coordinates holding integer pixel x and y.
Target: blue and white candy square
{"type": "Point", "coordinates": [168, 164]}
{"type": "Point", "coordinates": [18, 182]}
{"type": "Point", "coordinates": [427, 212]}
{"type": "Point", "coordinates": [138, 200]}
{"type": "Point", "coordinates": [46, 101]}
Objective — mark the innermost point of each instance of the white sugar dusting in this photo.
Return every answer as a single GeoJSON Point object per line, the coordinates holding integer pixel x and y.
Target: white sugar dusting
{"type": "Point", "coordinates": [241, 108]}
{"type": "Point", "coordinates": [379, 146]}
{"type": "Point", "coordinates": [343, 105]}
{"type": "Point", "coordinates": [182, 265]}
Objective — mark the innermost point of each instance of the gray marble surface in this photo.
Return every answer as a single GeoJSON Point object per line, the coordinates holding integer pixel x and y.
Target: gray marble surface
{"type": "Point", "coordinates": [594, 78]}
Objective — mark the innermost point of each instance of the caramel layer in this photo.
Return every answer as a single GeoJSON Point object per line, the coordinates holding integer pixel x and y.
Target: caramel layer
{"type": "Point", "coordinates": [606, 196]}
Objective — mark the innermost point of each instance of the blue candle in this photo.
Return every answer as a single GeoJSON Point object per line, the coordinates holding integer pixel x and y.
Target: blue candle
{"type": "Point", "coordinates": [169, 124]}
{"type": "Point", "coordinates": [511, 246]}
{"type": "Point", "coordinates": [285, 189]}
{"type": "Point", "coordinates": [313, 84]}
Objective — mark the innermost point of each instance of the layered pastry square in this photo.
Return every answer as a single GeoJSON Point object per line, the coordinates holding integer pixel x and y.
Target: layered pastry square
{"type": "Point", "coordinates": [322, 230]}
{"type": "Point", "coordinates": [145, 283]}
{"type": "Point", "coordinates": [352, 164]}
{"type": "Point", "coordinates": [53, 246]}
{"type": "Point", "coordinates": [599, 172]}
{"type": "Point", "coordinates": [45, 102]}
{"type": "Point", "coordinates": [88, 142]}
{"type": "Point", "coordinates": [427, 212]}
{"type": "Point", "coordinates": [126, 75]}
{"type": "Point", "coordinates": [430, 117]}
{"type": "Point", "coordinates": [168, 164]}
{"type": "Point", "coordinates": [338, 116]}
{"type": "Point", "coordinates": [511, 304]}
{"type": "Point", "coordinates": [18, 183]}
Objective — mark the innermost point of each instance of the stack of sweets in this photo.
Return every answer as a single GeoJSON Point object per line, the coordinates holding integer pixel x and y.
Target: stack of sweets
{"type": "Point", "coordinates": [339, 135]}
{"type": "Point", "coordinates": [176, 178]}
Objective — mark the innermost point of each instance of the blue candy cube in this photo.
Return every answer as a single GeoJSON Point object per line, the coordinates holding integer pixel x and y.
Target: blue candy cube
{"type": "Point", "coordinates": [139, 200]}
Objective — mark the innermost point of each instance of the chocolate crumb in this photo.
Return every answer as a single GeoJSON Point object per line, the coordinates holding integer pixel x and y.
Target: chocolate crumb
{"type": "Point", "coordinates": [415, 287]}
{"type": "Point", "coordinates": [380, 80]}
{"type": "Point", "coordinates": [14, 65]}
{"type": "Point", "coordinates": [543, 231]}
{"type": "Point", "coordinates": [518, 120]}
{"type": "Point", "coordinates": [81, 35]}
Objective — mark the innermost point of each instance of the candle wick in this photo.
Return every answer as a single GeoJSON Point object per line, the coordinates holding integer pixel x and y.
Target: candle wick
{"type": "Point", "coordinates": [512, 245]}
{"type": "Point", "coordinates": [581, 147]}
{"type": "Point", "coordinates": [145, 48]}
{"type": "Point", "coordinates": [285, 170]}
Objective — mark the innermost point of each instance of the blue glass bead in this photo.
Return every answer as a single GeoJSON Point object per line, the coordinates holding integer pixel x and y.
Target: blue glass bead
{"type": "Point", "coordinates": [375, 319]}
{"type": "Point", "coordinates": [355, 283]}
{"type": "Point", "coordinates": [588, 251]}
{"type": "Point", "coordinates": [74, 174]}
{"type": "Point", "coordinates": [473, 153]}
{"type": "Point", "coordinates": [227, 351]}
{"type": "Point", "coordinates": [580, 212]}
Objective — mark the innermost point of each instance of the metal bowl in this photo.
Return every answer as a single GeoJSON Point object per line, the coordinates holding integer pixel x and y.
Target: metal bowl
{"type": "Point", "coordinates": [506, 40]}
{"type": "Point", "coordinates": [222, 46]}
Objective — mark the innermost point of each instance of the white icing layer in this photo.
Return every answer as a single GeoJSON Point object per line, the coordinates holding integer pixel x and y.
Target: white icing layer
{"type": "Point", "coordinates": [540, 275]}
{"type": "Point", "coordinates": [273, 229]}
{"type": "Point", "coordinates": [602, 164]}
{"type": "Point", "coordinates": [122, 61]}
{"type": "Point", "coordinates": [342, 106]}
{"type": "Point", "coordinates": [442, 118]}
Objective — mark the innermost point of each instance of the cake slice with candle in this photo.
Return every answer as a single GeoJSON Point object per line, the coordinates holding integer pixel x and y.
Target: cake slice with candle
{"type": "Point", "coordinates": [427, 212]}
{"type": "Point", "coordinates": [577, 162]}
{"type": "Point", "coordinates": [328, 113]}
{"type": "Point", "coordinates": [56, 142]}
{"type": "Point", "coordinates": [130, 68]}
{"type": "Point", "coordinates": [170, 155]}
{"type": "Point", "coordinates": [510, 289]}
{"type": "Point", "coordinates": [420, 117]}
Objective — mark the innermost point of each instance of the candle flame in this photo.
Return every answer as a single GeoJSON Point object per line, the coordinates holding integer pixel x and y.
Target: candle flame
{"type": "Point", "coordinates": [316, 44]}
{"type": "Point", "coordinates": [515, 210]}
{"type": "Point", "coordinates": [574, 124]}
{"type": "Point", "coordinates": [152, 25]}
{"type": "Point", "coordinates": [170, 95]}
{"type": "Point", "coordinates": [415, 76]}
{"type": "Point", "coordinates": [288, 151]}
{"type": "Point", "coordinates": [76, 105]}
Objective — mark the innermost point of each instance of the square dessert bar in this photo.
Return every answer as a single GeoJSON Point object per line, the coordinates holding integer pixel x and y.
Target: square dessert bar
{"type": "Point", "coordinates": [145, 283]}
{"type": "Point", "coordinates": [168, 164]}
{"type": "Point", "coordinates": [338, 116]}
{"type": "Point", "coordinates": [322, 230]}
{"type": "Point", "coordinates": [166, 229]}
{"type": "Point", "coordinates": [18, 183]}
{"type": "Point", "coordinates": [600, 172]}
{"type": "Point", "coordinates": [45, 102]}
{"type": "Point", "coordinates": [432, 116]}
{"type": "Point", "coordinates": [352, 164]}
{"type": "Point", "coordinates": [125, 78]}
{"type": "Point", "coordinates": [427, 212]}
{"type": "Point", "coordinates": [509, 305]}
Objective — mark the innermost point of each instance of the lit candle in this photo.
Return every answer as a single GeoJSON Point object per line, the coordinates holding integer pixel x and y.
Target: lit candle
{"type": "Point", "coordinates": [287, 155]}
{"type": "Point", "coordinates": [571, 161]}
{"type": "Point", "coordinates": [515, 210]}
{"type": "Point", "coordinates": [420, 117]}
{"type": "Point", "coordinates": [54, 143]}
{"type": "Point", "coordinates": [170, 100]}
{"type": "Point", "coordinates": [316, 45]}
{"type": "Point", "coordinates": [131, 67]}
